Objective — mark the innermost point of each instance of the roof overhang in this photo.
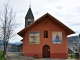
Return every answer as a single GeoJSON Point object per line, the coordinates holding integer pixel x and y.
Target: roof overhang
{"type": "Point", "coordinates": [53, 19]}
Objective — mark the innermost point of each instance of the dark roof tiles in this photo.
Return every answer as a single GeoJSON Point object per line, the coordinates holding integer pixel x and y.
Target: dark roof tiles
{"type": "Point", "coordinates": [29, 14]}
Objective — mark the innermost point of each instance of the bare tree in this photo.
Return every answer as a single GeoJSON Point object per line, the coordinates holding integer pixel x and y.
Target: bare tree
{"type": "Point", "coordinates": [7, 25]}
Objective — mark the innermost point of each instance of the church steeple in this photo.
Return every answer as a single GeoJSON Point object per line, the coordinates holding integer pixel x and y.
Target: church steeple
{"type": "Point", "coordinates": [29, 14]}
{"type": "Point", "coordinates": [29, 18]}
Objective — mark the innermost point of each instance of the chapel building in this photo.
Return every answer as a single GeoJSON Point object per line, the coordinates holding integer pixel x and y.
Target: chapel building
{"type": "Point", "coordinates": [46, 37]}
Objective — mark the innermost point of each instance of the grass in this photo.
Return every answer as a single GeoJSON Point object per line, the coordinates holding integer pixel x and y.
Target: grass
{"type": "Point", "coordinates": [2, 58]}
{"type": "Point", "coordinates": [73, 56]}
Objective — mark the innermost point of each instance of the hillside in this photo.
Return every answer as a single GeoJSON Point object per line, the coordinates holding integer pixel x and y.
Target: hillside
{"type": "Point", "coordinates": [16, 43]}
{"type": "Point", "coordinates": [74, 43]}
{"type": "Point", "coordinates": [1, 41]}
{"type": "Point", "coordinates": [74, 39]}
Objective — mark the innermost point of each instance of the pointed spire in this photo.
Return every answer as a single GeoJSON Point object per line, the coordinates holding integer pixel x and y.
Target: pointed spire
{"type": "Point", "coordinates": [29, 14]}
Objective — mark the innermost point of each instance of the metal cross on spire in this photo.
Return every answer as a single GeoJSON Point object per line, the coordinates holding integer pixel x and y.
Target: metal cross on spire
{"type": "Point", "coordinates": [30, 5]}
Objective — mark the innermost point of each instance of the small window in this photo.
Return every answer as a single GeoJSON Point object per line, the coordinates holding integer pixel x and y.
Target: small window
{"type": "Point", "coordinates": [45, 22]}
{"type": "Point", "coordinates": [45, 34]}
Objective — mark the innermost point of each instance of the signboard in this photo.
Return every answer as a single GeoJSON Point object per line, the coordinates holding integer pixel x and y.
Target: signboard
{"type": "Point", "coordinates": [34, 37]}
{"type": "Point", "coordinates": [56, 37]}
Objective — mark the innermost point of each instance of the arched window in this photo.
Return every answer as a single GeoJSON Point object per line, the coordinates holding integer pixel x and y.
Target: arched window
{"type": "Point", "coordinates": [45, 34]}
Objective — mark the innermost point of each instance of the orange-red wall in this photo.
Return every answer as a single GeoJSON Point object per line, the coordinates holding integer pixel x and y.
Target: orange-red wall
{"type": "Point", "coordinates": [56, 50]}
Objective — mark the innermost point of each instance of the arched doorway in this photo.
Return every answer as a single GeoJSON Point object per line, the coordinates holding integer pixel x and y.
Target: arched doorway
{"type": "Point", "coordinates": [46, 51]}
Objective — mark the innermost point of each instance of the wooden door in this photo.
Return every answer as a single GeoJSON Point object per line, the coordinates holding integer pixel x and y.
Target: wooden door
{"type": "Point", "coordinates": [46, 51]}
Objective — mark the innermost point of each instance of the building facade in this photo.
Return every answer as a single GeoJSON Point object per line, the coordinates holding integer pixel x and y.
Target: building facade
{"type": "Point", "coordinates": [46, 38]}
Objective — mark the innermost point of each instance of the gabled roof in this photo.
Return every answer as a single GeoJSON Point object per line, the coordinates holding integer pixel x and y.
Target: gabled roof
{"type": "Point", "coordinates": [57, 22]}
{"type": "Point", "coordinates": [29, 14]}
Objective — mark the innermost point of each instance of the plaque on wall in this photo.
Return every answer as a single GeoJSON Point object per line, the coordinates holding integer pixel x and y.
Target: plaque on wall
{"type": "Point", "coordinates": [56, 37]}
{"type": "Point", "coordinates": [34, 37]}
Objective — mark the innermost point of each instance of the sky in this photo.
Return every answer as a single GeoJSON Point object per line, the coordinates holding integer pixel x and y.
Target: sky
{"type": "Point", "coordinates": [66, 11]}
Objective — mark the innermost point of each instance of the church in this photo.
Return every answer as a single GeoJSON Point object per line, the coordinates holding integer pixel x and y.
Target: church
{"type": "Point", "coordinates": [45, 37]}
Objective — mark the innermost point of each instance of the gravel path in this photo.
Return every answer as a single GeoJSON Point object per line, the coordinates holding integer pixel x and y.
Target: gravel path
{"type": "Point", "coordinates": [19, 56]}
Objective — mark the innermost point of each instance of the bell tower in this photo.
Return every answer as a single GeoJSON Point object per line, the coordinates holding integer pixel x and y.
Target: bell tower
{"type": "Point", "coordinates": [29, 18]}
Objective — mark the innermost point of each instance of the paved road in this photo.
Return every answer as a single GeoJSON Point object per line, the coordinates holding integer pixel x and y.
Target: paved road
{"type": "Point", "coordinates": [19, 56]}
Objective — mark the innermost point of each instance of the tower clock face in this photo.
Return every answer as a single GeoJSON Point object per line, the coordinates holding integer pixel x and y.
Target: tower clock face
{"type": "Point", "coordinates": [29, 21]}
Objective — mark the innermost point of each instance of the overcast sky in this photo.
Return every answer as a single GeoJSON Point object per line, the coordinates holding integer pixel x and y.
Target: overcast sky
{"type": "Point", "coordinates": [66, 11]}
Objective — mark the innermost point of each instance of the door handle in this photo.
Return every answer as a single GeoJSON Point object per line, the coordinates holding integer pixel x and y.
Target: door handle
{"type": "Point", "coordinates": [48, 49]}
